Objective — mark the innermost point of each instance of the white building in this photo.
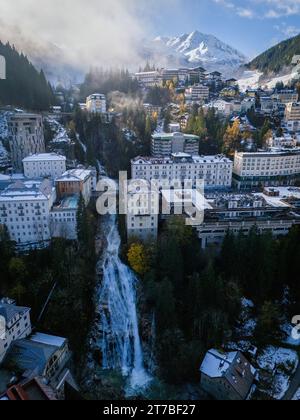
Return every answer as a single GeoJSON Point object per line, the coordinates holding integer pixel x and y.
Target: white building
{"type": "Point", "coordinates": [147, 79]}
{"type": "Point", "coordinates": [77, 181]}
{"type": "Point", "coordinates": [269, 104]}
{"type": "Point", "coordinates": [24, 210]}
{"type": "Point", "coordinates": [286, 96]}
{"type": "Point", "coordinates": [96, 103]}
{"type": "Point", "coordinates": [286, 141]}
{"type": "Point", "coordinates": [142, 213]}
{"type": "Point", "coordinates": [15, 324]}
{"type": "Point", "coordinates": [216, 171]}
{"type": "Point", "coordinates": [26, 137]}
{"type": "Point", "coordinates": [197, 93]}
{"type": "Point", "coordinates": [63, 218]}
{"type": "Point", "coordinates": [44, 165]}
{"type": "Point", "coordinates": [164, 144]}
{"type": "Point", "coordinates": [222, 107]}
{"type": "Point", "coordinates": [248, 104]}
{"type": "Point", "coordinates": [292, 116]}
{"type": "Point", "coordinates": [273, 167]}
{"type": "Point", "coordinates": [275, 211]}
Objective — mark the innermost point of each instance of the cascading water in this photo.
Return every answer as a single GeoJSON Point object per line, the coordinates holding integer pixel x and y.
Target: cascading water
{"type": "Point", "coordinates": [120, 341]}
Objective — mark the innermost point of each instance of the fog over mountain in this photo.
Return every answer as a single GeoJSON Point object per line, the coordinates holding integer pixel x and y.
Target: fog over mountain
{"type": "Point", "coordinates": [68, 37]}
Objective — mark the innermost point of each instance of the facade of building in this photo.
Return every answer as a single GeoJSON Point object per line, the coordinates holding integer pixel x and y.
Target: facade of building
{"type": "Point", "coordinates": [269, 104]}
{"type": "Point", "coordinates": [222, 107]}
{"type": "Point", "coordinates": [152, 109]}
{"type": "Point", "coordinates": [44, 165]}
{"type": "Point", "coordinates": [96, 103]}
{"type": "Point", "coordinates": [227, 376]}
{"type": "Point", "coordinates": [164, 144]}
{"type": "Point", "coordinates": [286, 141]}
{"type": "Point", "coordinates": [292, 116]}
{"type": "Point", "coordinates": [275, 210]}
{"type": "Point", "coordinates": [63, 218]}
{"type": "Point", "coordinates": [26, 137]}
{"type": "Point", "coordinates": [44, 354]}
{"type": "Point", "coordinates": [216, 171]}
{"type": "Point", "coordinates": [286, 96]}
{"type": "Point", "coordinates": [76, 181]}
{"type": "Point", "coordinates": [197, 93]}
{"type": "Point", "coordinates": [15, 324]}
{"type": "Point", "coordinates": [148, 79]}
{"type": "Point", "coordinates": [24, 210]}
{"type": "Point", "coordinates": [142, 215]}
{"type": "Point", "coordinates": [275, 167]}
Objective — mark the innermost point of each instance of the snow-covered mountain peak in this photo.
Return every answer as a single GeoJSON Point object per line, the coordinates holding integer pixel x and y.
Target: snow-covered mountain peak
{"type": "Point", "coordinates": [197, 48]}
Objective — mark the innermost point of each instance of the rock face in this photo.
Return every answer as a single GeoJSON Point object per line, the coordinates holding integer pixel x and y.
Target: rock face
{"type": "Point", "coordinates": [192, 50]}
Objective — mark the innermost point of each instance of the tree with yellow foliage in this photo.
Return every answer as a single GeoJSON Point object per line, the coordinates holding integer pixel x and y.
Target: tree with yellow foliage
{"type": "Point", "coordinates": [232, 137]}
{"type": "Point", "coordinates": [138, 258]}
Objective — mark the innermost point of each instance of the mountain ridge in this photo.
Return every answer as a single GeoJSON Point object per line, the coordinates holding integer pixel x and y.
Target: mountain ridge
{"type": "Point", "coordinates": [278, 58]}
{"type": "Point", "coordinates": [192, 49]}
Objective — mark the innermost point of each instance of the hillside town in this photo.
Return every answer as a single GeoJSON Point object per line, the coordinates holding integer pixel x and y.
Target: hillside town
{"type": "Point", "coordinates": [150, 229]}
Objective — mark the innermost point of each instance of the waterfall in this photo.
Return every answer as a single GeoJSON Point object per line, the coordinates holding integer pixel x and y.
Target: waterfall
{"type": "Point", "coordinates": [120, 341]}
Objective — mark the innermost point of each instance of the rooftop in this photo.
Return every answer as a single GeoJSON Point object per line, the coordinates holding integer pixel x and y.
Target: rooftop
{"type": "Point", "coordinates": [41, 157]}
{"type": "Point", "coordinates": [28, 190]}
{"type": "Point", "coordinates": [75, 175]}
{"type": "Point", "coordinates": [179, 158]}
{"type": "Point", "coordinates": [33, 354]}
{"type": "Point", "coordinates": [9, 310]}
{"type": "Point", "coordinates": [170, 136]}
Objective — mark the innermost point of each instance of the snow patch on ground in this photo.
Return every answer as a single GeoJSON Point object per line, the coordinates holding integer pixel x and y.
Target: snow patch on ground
{"type": "Point", "coordinates": [249, 80]}
{"type": "Point", "coordinates": [287, 329]}
{"type": "Point", "coordinates": [272, 357]}
{"type": "Point", "coordinates": [60, 133]}
{"type": "Point", "coordinates": [254, 80]}
{"type": "Point", "coordinates": [280, 364]}
{"type": "Point", "coordinates": [284, 79]}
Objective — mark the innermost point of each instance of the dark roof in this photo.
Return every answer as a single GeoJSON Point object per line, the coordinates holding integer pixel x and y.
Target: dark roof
{"type": "Point", "coordinates": [8, 312]}
{"type": "Point", "coordinates": [29, 355]}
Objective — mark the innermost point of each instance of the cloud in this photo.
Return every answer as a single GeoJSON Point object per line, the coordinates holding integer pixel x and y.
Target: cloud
{"type": "Point", "coordinates": [92, 32]}
{"type": "Point", "coordinates": [240, 11]}
{"type": "Point", "coordinates": [288, 31]}
{"type": "Point", "coordinates": [262, 9]}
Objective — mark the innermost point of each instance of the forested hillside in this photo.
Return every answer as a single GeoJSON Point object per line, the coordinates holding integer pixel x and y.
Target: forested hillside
{"type": "Point", "coordinates": [24, 86]}
{"type": "Point", "coordinates": [278, 57]}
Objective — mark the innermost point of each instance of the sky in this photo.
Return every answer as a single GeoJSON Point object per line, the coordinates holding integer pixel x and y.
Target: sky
{"type": "Point", "coordinates": [107, 30]}
{"type": "Point", "coordinates": [251, 26]}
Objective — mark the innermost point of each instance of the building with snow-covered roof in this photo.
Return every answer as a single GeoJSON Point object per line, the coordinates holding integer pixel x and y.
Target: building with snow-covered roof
{"type": "Point", "coordinates": [76, 181]}
{"type": "Point", "coordinates": [227, 376]}
{"type": "Point", "coordinates": [164, 144]}
{"type": "Point", "coordinates": [216, 171]}
{"type": "Point", "coordinates": [44, 165]}
{"type": "Point", "coordinates": [15, 324]}
{"type": "Point", "coordinates": [24, 210]}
